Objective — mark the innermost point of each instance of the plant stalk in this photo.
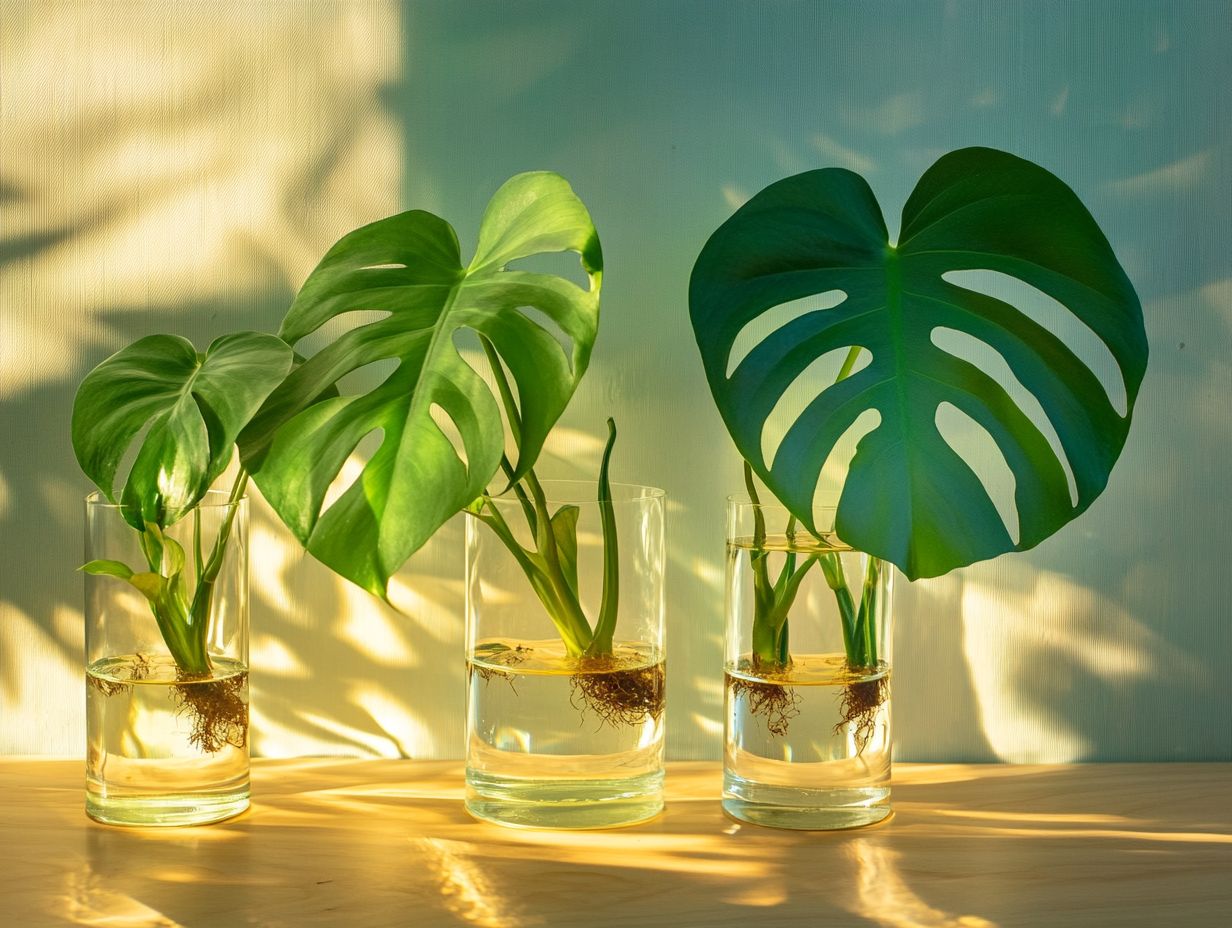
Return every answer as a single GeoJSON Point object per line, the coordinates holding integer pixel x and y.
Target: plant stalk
{"type": "Point", "coordinates": [183, 623]}
{"type": "Point", "coordinates": [771, 603]}
{"type": "Point", "coordinates": [543, 566]}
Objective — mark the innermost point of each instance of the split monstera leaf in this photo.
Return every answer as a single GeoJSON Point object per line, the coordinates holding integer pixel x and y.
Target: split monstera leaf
{"type": "Point", "coordinates": [409, 267]}
{"type": "Point", "coordinates": [908, 497]}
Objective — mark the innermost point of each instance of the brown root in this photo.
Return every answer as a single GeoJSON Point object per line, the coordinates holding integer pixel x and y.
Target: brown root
{"type": "Point", "coordinates": [139, 669]}
{"type": "Point", "coordinates": [859, 705]}
{"type": "Point", "coordinates": [108, 687]}
{"type": "Point", "coordinates": [510, 657]}
{"type": "Point", "coordinates": [217, 709]}
{"type": "Point", "coordinates": [619, 695]}
{"type": "Point", "coordinates": [776, 703]}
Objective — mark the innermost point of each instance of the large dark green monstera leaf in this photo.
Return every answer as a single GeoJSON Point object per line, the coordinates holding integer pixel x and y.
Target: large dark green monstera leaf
{"type": "Point", "coordinates": [908, 496]}
{"type": "Point", "coordinates": [409, 267]}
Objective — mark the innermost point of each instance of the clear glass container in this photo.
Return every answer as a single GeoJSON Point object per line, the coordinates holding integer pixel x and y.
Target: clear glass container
{"type": "Point", "coordinates": [806, 676]}
{"type": "Point", "coordinates": [167, 727]}
{"type": "Point", "coordinates": [557, 737]}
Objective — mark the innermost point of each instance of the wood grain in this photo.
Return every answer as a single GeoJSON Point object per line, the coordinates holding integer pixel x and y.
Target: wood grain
{"type": "Point", "coordinates": [373, 843]}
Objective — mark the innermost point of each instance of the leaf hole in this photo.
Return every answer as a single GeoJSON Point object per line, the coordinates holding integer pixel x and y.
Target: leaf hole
{"type": "Point", "coordinates": [129, 457]}
{"type": "Point", "coordinates": [538, 317]}
{"type": "Point", "coordinates": [367, 377]}
{"type": "Point", "coordinates": [1055, 317]}
{"type": "Point", "coordinates": [566, 264]}
{"type": "Point", "coordinates": [758, 328]}
{"type": "Point", "coordinates": [337, 326]}
{"type": "Point", "coordinates": [450, 430]}
{"type": "Point", "coordinates": [971, 442]}
{"type": "Point", "coordinates": [814, 380]}
{"type": "Point", "coordinates": [467, 343]}
{"type": "Point", "coordinates": [992, 363]}
{"type": "Point", "coordinates": [353, 469]}
{"type": "Point", "coordinates": [838, 462]}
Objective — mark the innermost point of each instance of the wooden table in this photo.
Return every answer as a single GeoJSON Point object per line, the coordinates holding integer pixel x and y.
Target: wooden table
{"type": "Point", "coordinates": [359, 843]}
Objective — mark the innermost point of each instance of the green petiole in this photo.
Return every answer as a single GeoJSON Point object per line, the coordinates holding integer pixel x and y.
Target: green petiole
{"type": "Point", "coordinates": [773, 602]}
{"type": "Point", "coordinates": [551, 566]}
{"type": "Point", "coordinates": [183, 621]}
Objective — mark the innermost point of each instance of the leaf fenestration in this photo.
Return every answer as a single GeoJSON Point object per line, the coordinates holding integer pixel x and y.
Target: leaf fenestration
{"type": "Point", "coordinates": [908, 497]}
{"type": "Point", "coordinates": [409, 267]}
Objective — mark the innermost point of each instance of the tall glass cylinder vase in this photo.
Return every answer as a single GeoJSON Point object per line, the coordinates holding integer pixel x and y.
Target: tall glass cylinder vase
{"type": "Point", "coordinates": [564, 710]}
{"type": "Point", "coordinates": [807, 674]}
{"type": "Point", "coordinates": [166, 615]}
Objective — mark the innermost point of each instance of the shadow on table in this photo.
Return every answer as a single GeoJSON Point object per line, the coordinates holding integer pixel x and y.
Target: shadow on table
{"type": "Point", "coordinates": [341, 842]}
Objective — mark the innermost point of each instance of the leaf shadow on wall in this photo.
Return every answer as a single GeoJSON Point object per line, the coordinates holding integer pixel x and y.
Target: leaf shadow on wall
{"type": "Point", "coordinates": [180, 172]}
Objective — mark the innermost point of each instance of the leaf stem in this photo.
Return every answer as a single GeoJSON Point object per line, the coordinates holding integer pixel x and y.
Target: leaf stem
{"type": "Point", "coordinates": [199, 616]}
{"type": "Point", "coordinates": [771, 603]}
{"type": "Point", "coordinates": [609, 606]}
{"type": "Point", "coordinates": [562, 608]}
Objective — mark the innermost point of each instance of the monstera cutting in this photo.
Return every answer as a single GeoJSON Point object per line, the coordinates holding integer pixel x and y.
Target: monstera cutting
{"type": "Point", "coordinates": [191, 408]}
{"type": "Point", "coordinates": [181, 411]}
{"type": "Point", "coordinates": [441, 427]}
{"type": "Point", "coordinates": [908, 497]}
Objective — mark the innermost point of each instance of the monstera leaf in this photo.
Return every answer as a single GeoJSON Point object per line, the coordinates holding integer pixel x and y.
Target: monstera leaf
{"type": "Point", "coordinates": [908, 496]}
{"type": "Point", "coordinates": [409, 267]}
{"type": "Point", "coordinates": [192, 406]}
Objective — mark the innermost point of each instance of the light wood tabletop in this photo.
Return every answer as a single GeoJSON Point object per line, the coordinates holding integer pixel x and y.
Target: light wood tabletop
{"type": "Point", "coordinates": [362, 843]}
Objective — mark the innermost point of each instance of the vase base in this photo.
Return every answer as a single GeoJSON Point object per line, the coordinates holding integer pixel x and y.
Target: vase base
{"type": "Point", "coordinates": [166, 811]}
{"type": "Point", "coordinates": [805, 809]}
{"type": "Point", "coordinates": [564, 804]}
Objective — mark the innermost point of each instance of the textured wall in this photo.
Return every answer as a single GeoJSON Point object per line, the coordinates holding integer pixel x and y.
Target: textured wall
{"type": "Point", "coordinates": [180, 166]}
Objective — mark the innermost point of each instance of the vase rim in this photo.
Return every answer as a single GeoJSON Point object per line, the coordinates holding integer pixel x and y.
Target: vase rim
{"type": "Point", "coordinates": [584, 491]}
{"type": "Point", "coordinates": [213, 499]}
{"type": "Point", "coordinates": [742, 499]}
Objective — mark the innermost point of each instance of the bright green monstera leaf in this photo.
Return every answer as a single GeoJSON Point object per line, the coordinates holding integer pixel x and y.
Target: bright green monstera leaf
{"type": "Point", "coordinates": [191, 406]}
{"type": "Point", "coordinates": [908, 496]}
{"type": "Point", "coordinates": [409, 267]}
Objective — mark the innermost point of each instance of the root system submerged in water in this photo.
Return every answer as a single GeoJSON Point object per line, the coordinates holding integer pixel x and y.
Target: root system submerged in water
{"type": "Point", "coordinates": [216, 708]}
{"type": "Point", "coordinates": [621, 689]}
{"type": "Point", "coordinates": [777, 703]}
{"type": "Point", "coordinates": [859, 705]}
{"type": "Point", "coordinates": [619, 694]}
{"type": "Point", "coordinates": [510, 657]}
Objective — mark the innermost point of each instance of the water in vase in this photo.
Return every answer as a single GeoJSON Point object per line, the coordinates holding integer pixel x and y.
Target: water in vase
{"type": "Point", "coordinates": [564, 742]}
{"type": "Point", "coordinates": [809, 746]}
{"type": "Point", "coordinates": [165, 749]}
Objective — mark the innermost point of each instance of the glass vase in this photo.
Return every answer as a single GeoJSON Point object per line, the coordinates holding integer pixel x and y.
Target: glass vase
{"type": "Point", "coordinates": [807, 674]}
{"type": "Point", "coordinates": [560, 735]}
{"type": "Point", "coordinates": [167, 665]}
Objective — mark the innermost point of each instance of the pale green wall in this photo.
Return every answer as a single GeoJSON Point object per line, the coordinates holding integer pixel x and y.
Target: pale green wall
{"type": "Point", "coordinates": [1107, 642]}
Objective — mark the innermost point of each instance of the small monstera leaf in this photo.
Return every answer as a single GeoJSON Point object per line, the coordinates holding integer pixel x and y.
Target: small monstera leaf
{"type": "Point", "coordinates": [192, 407]}
{"type": "Point", "coordinates": [908, 497]}
{"type": "Point", "coordinates": [409, 267]}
